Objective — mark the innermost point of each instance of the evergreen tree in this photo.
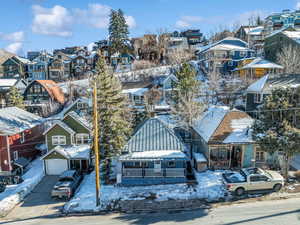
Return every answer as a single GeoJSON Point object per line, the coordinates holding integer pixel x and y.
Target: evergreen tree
{"type": "Point", "coordinates": [277, 129]}
{"type": "Point", "coordinates": [114, 122]}
{"type": "Point", "coordinates": [15, 98]}
{"type": "Point", "coordinates": [187, 107]}
{"type": "Point", "coordinates": [118, 32]}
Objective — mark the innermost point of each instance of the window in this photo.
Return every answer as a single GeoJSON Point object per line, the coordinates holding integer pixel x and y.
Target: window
{"type": "Point", "coordinates": [82, 139]}
{"type": "Point", "coordinates": [16, 155]}
{"type": "Point", "coordinates": [59, 140]}
{"type": "Point", "coordinates": [255, 178]}
{"type": "Point", "coordinates": [22, 140]}
{"type": "Point", "coordinates": [171, 164]}
{"type": "Point", "coordinates": [260, 156]}
{"type": "Point", "coordinates": [257, 98]}
{"type": "Point", "coordinates": [81, 105]}
{"type": "Point", "coordinates": [243, 54]}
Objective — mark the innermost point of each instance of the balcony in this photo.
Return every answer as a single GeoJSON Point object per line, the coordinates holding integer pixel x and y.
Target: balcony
{"type": "Point", "coordinates": [151, 172]}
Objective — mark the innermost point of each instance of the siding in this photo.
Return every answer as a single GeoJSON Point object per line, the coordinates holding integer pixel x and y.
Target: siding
{"type": "Point", "coordinates": [54, 155]}
{"type": "Point", "coordinates": [74, 125]}
{"type": "Point", "coordinates": [57, 130]}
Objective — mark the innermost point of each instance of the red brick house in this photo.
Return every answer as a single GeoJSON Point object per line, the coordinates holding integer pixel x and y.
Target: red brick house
{"type": "Point", "coordinates": [20, 132]}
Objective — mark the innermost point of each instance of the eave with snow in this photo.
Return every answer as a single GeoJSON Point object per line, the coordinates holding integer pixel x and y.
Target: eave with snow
{"type": "Point", "coordinates": [224, 137]}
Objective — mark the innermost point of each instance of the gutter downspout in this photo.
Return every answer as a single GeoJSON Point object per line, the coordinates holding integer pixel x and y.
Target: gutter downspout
{"type": "Point", "coordinates": [8, 154]}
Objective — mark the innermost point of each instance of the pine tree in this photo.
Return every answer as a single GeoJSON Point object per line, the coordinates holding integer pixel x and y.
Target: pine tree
{"type": "Point", "coordinates": [118, 32]}
{"type": "Point", "coordinates": [15, 98]}
{"type": "Point", "coordinates": [186, 107]}
{"type": "Point", "coordinates": [277, 129]}
{"type": "Point", "coordinates": [114, 125]}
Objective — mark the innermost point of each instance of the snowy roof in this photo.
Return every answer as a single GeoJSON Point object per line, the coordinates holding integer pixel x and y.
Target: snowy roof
{"type": "Point", "coordinates": [80, 119]}
{"type": "Point", "coordinates": [262, 63]}
{"type": "Point", "coordinates": [240, 131]}
{"type": "Point", "coordinates": [84, 83]}
{"type": "Point", "coordinates": [228, 47]}
{"type": "Point", "coordinates": [255, 30]}
{"type": "Point", "coordinates": [7, 82]}
{"type": "Point", "coordinates": [14, 120]}
{"type": "Point", "coordinates": [23, 60]}
{"type": "Point", "coordinates": [151, 155]}
{"type": "Point", "coordinates": [135, 91]}
{"type": "Point", "coordinates": [295, 35]}
{"type": "Point", "coordinates": [270, 82]}
{"type": "Point", "coordinates": [209, 121]}
{"type": "Point", "coordinates": [258, 85]}
{"type": "Point", "coordinates": [222, 125]}
{"type": "Point", "coordinates": [62, 125]}
{"type": "Point", "coordinates": [153, 135]}
{"type": "Point", "coordinates": [199, 157]}
{"type": "Point", "coordinates": [70, 105]}
{"type": "Point", "coordinates": [72, 152]}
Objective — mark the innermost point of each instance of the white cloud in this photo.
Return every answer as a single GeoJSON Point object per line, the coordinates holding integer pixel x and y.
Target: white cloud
{"type": "Point", "coordinates": [55, 21]}
{"type": "Point", "coordinates": [182, 24]}
{"type": "Point", "coordinates": [58, 21]}
{"type": "Point", "coordinates": [130, 21]}
{"type": "Point", "coordinates": [90, 46]}
{"type": "Point", "coordinates": [97, 15]}
{"type": "Point", "coordinates": [298, 5]}
{"type": "Point", "coordinates": [188, 21]}
{"type": "Point", "coordinates": [15, 47]}
{"type": "Point", "coordinates": [13, 37]}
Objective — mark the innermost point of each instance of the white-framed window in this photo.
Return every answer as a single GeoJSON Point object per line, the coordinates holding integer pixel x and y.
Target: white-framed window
{"type": "Point", "coordinates": [243, 53]}
{"type": "Point", "coordinates": [260, 156]}
{"type": "Point", "coordinates": [16, 155]}
{"type": "Point", "coordinates": [82, 139]}
{"type": "Point", "coordinates": [59, 140]}
{"type": "Point", "coordinates": [81, 105]}
{"type": "Point", "coordinates": [257, 98]}
{"type": "Point", "coordinates": [171, 164]}
{"type": "Point", "coordinates": [22, 140]}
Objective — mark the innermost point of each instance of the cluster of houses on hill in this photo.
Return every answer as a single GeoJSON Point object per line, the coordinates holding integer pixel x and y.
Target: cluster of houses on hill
{"type": "Point", "coordinates": [57, 121]}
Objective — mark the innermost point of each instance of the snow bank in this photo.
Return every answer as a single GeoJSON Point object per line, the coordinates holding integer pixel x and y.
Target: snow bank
{"type": "Point", "coordinates": [210, 187]}
{"type": "Point", "coordinates": [14, 194]}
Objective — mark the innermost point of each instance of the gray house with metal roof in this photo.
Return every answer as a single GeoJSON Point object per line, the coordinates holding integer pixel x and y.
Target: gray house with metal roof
{"type": "Point", "coordinates": [153, 155]}
{"type": "Point", "coordinates": [256, 93]}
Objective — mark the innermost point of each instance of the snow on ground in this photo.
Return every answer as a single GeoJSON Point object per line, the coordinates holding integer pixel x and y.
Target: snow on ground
{"type": "Point", "coordinates": [210, 187]}
{"type": "Point", "coordinates": [14, 194]}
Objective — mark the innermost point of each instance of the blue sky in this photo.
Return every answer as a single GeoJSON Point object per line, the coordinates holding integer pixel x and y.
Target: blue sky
{"type": "Point", "coordinates": [49, 24]}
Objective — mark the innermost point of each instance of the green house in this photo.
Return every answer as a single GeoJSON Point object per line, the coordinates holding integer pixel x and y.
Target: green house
{"type": "Point", "coordinates": [62, 139]}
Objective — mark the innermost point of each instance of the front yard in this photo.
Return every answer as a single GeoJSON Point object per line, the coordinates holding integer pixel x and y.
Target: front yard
{"type": "Point", "coordinates": [210, 188]}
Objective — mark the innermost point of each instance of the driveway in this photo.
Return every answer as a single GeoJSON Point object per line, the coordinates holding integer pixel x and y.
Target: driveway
{"type": "Point", "coordinates": [38, 203]}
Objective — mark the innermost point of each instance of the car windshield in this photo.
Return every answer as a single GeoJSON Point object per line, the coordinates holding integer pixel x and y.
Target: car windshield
{"type": "Point", "coordinates": [65, 179]}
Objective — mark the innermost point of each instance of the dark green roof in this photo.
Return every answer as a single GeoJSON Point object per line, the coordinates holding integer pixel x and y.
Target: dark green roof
{"type": "Point", "coordinates": [153, 135]}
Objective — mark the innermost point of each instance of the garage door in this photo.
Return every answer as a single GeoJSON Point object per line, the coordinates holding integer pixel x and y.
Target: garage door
{"type": "Point", "coordinates": [56, 166]}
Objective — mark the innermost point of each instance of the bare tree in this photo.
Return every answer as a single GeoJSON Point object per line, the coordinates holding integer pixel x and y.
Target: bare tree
{"type": "Point", "coordinates": [177, 57]}
{"type": "Point", "coordinates": [152, 98]}
{"type": "Point", "coordinates": [289, 58]}
{"type": "Point", "coordinates": [142, 64]}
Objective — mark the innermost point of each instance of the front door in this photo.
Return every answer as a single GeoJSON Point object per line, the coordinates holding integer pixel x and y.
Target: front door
{"type": "Point", "coordinates": [157, 166]}
{"type": "Point", "coordinates": [236, 157]}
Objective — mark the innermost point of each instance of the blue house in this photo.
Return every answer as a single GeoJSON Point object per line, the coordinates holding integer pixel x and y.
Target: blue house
{"type": "Point", "coordinates": [223, 55]}
{"type": "Point", "coordinates": [38, 68]}
{"type": "Point", "coordinates": [153, 155]}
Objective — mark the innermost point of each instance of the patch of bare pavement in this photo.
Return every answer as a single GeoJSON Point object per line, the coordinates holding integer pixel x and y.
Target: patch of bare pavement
{"type": "Point", "coordinates": [275, 212]}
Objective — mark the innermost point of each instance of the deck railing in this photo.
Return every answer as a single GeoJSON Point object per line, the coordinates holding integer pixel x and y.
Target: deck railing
{"type": "Point", "coordinates": [150, 172]}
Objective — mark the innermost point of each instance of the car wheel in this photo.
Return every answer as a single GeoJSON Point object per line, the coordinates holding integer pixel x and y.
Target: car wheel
{"type": "Point", "coordinates": [240, 191]}
{"type": "Point", "coordinates": [277, 187]}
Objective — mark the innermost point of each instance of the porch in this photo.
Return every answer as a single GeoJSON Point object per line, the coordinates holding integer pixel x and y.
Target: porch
{"type": "Point", "coordinates": [151, 172]}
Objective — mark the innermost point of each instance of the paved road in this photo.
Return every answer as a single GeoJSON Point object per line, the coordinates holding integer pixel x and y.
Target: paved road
{"type": "Point", "coordinates": [283, 212]}
{"type": "Point", "coordinates": [38, 203]}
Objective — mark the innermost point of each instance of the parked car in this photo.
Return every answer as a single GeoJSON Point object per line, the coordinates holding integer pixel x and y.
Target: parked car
{"type": "Point", "coordinates": [67, 184]}
{"type": "Point", "coordinates": [252, 179]}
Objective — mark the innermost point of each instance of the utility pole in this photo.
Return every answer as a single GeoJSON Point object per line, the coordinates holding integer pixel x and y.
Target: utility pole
{"type": "Point", "coordinates": [96, 147]}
